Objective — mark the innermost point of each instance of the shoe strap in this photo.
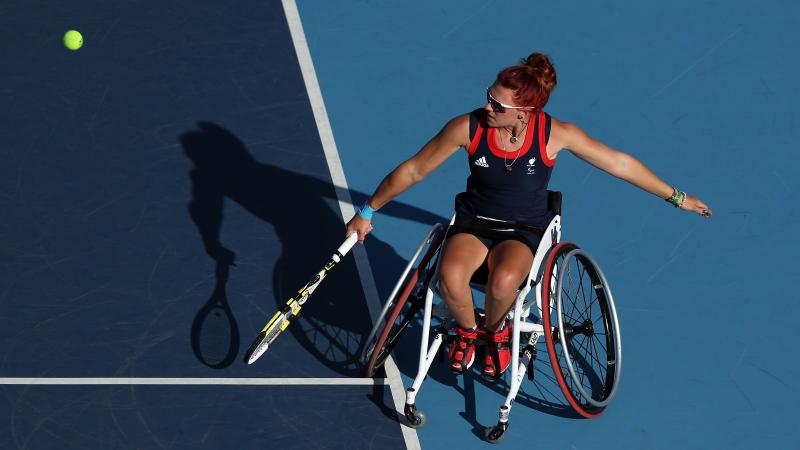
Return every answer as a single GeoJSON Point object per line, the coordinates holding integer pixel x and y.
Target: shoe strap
{"type": "Point", "coordinates": [459, 338]}
{"type": "Point", "coordinates": [492, 361]}
{"type": "Point", "coordinates": [503, 335]}
{"type": "Point", "coordinates": [466, 334]}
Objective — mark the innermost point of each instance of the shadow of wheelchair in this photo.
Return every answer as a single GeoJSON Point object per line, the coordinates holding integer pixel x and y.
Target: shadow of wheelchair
{"type": "Point", "coordinates": [541, 394]}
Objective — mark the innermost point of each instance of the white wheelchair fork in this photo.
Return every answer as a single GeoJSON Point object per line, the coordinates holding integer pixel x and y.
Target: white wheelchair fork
{"type": "Point", "coordinates": [520, 358]}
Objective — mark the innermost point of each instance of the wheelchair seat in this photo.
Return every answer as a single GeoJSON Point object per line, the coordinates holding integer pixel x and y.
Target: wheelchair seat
{"type": "Point", "coordinates": [481, 276]}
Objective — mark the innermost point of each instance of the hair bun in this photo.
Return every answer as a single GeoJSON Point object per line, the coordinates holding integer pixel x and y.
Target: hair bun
{"type": "Point", "coordinates": [536, 60]}
{"type": "Point", "coordinates": [532, 80]}
{"type": "Point", "coordinates": [540, 67]}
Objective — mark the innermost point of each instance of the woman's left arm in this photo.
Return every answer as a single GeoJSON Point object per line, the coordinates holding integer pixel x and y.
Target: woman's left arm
{"type": "Point", "coordinates": [623, 166]}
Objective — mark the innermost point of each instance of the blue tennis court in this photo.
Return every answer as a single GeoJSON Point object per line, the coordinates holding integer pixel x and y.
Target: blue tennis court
{"type": "Point", "coordinates": [202, 154]}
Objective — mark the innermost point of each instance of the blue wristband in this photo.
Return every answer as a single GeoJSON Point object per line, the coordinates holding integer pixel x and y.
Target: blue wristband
{"type": "Point", "coordinates": [365, 211]}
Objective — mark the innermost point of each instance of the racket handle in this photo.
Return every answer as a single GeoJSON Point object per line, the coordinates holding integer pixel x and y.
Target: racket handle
{"type": "Point", "coordinates": [345, 247]}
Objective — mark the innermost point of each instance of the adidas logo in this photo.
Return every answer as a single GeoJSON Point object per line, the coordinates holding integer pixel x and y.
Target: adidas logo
{"type": "Point", "coordinates": [481, 162]}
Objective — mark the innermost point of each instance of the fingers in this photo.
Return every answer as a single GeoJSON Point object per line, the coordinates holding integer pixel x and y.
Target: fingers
{"type": "Point", "coordinates": [362, 230]}
{"type": "Point", "coordinates": [362, 233]}
{"type": "Point", "coordinates": [697, 206]}
{"type": "Point", "coordinates": [702, 209]}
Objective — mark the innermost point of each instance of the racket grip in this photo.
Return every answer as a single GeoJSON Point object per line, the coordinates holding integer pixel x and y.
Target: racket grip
{"type": "Point", "coordinates": [345, 247]}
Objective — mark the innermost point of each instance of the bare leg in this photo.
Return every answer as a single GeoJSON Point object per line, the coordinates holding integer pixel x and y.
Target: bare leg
{"type": "Point", "coordinates": [509, 264]}
{"type": "Point", "coordinates": [463, 255]}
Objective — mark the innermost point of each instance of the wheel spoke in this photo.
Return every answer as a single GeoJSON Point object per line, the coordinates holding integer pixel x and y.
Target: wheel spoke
{"type": "Point", "coordinates": [572, 319]}
{"type": "Point", "coordinates": [595, 354]}
{"type": "Point", "coordinates": [601, 342]}
{"type": "Point", "coordinates": [592, 379]}
{"type": "Point", "coordinates": [583, 313]}
{"type": "Point", "coordinates": [596, 387]}
{"type": "Point", "coordinates": [590, 368]}
{"type": "Point", "coordinates": [570, 301]}
{"type": "Point", "coordinates": [592, 355]}
{"type": "Point", "coordinates": [587, 306]}
{"type": "Point", "coordinates": [585, 346]}
{"type": "Point", "coordinates": [581, 373]}
{"type": "Point", "coordinates": [578, 308]}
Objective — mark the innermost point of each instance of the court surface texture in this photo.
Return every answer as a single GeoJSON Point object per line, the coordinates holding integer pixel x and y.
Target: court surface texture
{"type": "Point", "coordinates": [199, 155]}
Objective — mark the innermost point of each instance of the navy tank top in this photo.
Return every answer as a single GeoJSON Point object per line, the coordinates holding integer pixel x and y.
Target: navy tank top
{"type": "Point", "coordinates": [519, 195]}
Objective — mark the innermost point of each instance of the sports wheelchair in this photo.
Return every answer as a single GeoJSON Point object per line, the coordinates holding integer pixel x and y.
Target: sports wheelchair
{"type": "Point", "coordinates": [579, 324]}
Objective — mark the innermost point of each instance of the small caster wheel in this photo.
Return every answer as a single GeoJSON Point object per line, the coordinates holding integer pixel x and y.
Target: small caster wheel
{"type": "Point", "coordinates": [419, 420]}
{"type": "Point", "coordinates": [414, 417]}
{"type": "Point", "coordinates": [496, 433]}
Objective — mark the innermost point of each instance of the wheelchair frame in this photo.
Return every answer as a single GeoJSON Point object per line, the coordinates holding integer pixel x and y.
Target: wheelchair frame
{"type": "Point", "coordinates": [521, 357]}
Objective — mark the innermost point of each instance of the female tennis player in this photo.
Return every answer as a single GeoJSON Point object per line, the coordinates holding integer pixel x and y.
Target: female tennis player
{"type": "Point", "coordinates": [512, 147]}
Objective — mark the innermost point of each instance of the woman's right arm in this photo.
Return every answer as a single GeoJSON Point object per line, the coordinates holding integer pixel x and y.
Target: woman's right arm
{"type": "Point", "coordinates": [453, 136]}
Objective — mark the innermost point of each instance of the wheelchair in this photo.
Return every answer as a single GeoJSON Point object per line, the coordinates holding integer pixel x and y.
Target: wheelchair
{"type": "Point", "coordinates": [570, 305]}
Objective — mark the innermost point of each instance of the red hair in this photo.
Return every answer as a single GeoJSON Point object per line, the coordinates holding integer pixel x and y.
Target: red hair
{"type": "Point", "coordinates": [532, 81]}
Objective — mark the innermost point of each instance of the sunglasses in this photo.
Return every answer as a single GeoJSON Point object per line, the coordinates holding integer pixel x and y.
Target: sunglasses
{"type": "Point", "coordinates": [499, 107]}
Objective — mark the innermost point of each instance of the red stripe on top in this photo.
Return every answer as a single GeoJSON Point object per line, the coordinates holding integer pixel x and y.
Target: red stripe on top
{"type": "Point", "coordinates": [500, 153]}
{"type": "Point", "coordinates": [473, 145]}
{"type": "Point", "coordinates": [542, 143]}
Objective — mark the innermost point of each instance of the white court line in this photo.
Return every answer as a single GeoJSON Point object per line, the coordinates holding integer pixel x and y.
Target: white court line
{"type": "Point", "coordinates": [195, 381]}
{"type": "Point", "coordinates": [343, 194]}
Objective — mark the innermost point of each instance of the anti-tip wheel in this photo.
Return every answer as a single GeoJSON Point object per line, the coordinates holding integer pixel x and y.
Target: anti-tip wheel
{"type": "Point", "coordinates": [496, 433]}
{"type": "Point", "coordinates": [419, 420]}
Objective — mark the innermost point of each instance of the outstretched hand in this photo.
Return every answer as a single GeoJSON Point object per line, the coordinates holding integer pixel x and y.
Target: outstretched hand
{"type": "Point", "coordinates": [359, 225]}
{"type": "Point", "coordinates": [696, 205]}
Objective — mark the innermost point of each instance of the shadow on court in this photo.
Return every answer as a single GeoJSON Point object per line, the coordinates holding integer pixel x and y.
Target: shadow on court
{"type": "Point", "coordinates": [336, 320]}
{"type": "Point", "coordinates": [215, 333]}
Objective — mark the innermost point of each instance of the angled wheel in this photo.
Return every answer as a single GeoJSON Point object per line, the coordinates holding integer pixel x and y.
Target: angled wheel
{"type": "Point", "coordinates": [414, 417]}
{"type": "Point", "coordinates": [401, 308]}
{"type": "Point", "coordinates": [584, 345]}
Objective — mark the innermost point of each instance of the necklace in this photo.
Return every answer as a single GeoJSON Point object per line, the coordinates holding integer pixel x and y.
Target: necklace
{"type": "Point", "coordinates": [513, 138]}
{"type": "Point", "coordinates": [509, 167]}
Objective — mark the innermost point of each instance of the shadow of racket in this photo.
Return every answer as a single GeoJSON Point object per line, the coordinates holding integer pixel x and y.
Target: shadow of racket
{"type": "Point", "coordinates": [215, 334]}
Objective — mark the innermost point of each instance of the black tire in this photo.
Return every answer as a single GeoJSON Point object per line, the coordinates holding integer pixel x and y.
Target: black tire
{"type": "Point", "coordinates": [587, 368]}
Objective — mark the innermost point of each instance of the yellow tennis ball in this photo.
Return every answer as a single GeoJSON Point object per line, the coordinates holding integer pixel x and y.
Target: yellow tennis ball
{"type": "Point", "coordinates": [73, 40]}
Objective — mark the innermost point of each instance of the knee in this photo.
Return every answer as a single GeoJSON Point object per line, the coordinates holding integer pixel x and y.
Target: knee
{"type": "Point", "coordinates": [451, 282]}
{"type": "Point", "coordinates": [502, 283]}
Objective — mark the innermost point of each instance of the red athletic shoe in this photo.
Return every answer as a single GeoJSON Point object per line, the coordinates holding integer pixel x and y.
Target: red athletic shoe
{"type": "Point", "coordinates": [498, 352]}
{"type": "Point", "coordinates": [462, 351]}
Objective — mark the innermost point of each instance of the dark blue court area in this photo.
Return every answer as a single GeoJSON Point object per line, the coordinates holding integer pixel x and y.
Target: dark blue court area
{"type": "Point", "coordinates": [163, 178]}
{"type": "Point", "coordinates": [167, 187]}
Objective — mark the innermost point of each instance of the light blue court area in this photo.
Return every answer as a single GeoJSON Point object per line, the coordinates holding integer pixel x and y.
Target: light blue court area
{"type": "Point", "coordinates": [706, 95]}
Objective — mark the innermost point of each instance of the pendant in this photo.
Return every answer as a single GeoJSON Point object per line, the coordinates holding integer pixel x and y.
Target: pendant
{"type": "Point", "coordinates": [509, 168]}
{"type": "Point", "coordinates": [513, 139]}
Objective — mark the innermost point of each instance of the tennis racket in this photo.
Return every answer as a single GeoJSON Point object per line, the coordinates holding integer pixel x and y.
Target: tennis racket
{"type": "Point", "coordinates": [281, 319]}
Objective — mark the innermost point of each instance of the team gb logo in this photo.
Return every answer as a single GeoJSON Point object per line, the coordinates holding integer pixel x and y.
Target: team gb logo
{"type": "Point", "coordinates": [531, 163]}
